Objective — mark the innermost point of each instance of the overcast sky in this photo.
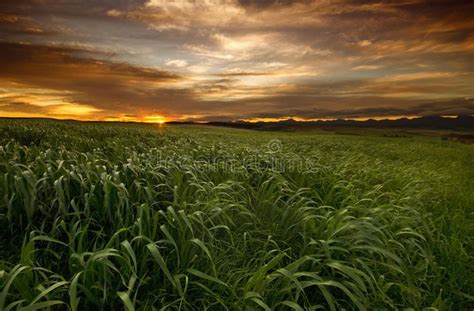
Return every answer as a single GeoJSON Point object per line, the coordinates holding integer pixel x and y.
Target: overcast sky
{"type": "Point", "coordinates": [145, 60]}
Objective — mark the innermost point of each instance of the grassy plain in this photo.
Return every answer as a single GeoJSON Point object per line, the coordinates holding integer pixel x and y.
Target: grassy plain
{"type": "Point", "coordinates": [140, 217]}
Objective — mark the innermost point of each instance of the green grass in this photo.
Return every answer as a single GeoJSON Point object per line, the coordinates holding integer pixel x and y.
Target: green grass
{"type": "Point", "coordinates": [137, 217]}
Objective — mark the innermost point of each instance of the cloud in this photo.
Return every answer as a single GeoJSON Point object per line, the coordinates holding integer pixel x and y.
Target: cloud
{"type": "Point", "coordinates": [420, 76]}
{"type": "Point", "coordinates": [269, 3]}
{"type": "Point", "coordinates": [459, 106]}
{"type": "Point", "coordinates": [214, 59]}
{"type": "Point", "coordinates": [26, 62]}
{"type": "Point", "coordinates": [61, 110]}
{"type": "Point", "coordinates": [366, 67]}
{"type": "Point", "coordinates": [22, 107]}
{"type": "Point", "coordinates": [13, 24]}
{"type": "Point", "coordinates": [107, 86]}
{"type": "Point", "coordinates": [242, 73]}
{"type": "Point", "coordinates": [177, 63]}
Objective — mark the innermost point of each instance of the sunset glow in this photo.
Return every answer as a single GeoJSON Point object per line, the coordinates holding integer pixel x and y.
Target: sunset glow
{"type": "Point", "coordinates": [155, 119]}
{"type": "Point", "coordinates": [211, 60]}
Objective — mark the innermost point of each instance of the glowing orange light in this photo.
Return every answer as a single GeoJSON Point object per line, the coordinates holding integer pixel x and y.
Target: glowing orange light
{"type": "Point", "coordinates": [155, 119]}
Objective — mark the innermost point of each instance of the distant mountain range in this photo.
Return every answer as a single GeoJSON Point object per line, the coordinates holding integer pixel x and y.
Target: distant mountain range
{"type": "Point", "coordinates": [460, 123]}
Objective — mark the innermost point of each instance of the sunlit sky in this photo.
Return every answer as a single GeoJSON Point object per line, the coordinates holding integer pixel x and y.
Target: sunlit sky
{"type": "Point", "coordinates": [207, 60]}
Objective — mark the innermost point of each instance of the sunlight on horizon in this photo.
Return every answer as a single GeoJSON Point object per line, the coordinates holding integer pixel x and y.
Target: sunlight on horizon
{"type": "Point", "coordinates": [162, 60]}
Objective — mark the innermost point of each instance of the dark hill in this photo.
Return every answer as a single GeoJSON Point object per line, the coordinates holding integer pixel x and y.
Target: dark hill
{"type": "Point", "coordinates": [460, 123]}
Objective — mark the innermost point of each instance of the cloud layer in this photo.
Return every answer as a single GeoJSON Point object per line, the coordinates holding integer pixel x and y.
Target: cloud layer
{"type": "Point", "coordinates": [235, 59]}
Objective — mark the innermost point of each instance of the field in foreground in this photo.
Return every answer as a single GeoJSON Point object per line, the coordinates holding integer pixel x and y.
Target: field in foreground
{"type": "Point", "coordinates": [117, 216]}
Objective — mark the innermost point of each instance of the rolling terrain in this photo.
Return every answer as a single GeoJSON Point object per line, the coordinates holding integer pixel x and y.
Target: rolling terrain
{"type": "Point", "coordinates": [144, 217]}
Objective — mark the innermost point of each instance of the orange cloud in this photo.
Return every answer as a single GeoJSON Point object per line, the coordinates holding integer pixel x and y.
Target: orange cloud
{"type": "Point", "coordinates": [148, 60]}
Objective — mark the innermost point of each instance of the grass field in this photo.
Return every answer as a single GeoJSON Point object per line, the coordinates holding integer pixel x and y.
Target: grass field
{"type": "Point", "coordinates": [141, 217]}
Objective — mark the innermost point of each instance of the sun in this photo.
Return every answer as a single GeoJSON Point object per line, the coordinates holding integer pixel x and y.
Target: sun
{"type": "Point", "coordinates": [155, 119]}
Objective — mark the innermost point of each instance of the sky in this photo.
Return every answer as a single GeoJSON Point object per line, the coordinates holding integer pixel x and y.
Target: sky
{"type": "Point", "coordinates": [227, 60]}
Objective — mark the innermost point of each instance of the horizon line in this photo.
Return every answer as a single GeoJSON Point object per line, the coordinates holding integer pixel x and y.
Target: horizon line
{"type": "Point", "coordinates": [250, 121]}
